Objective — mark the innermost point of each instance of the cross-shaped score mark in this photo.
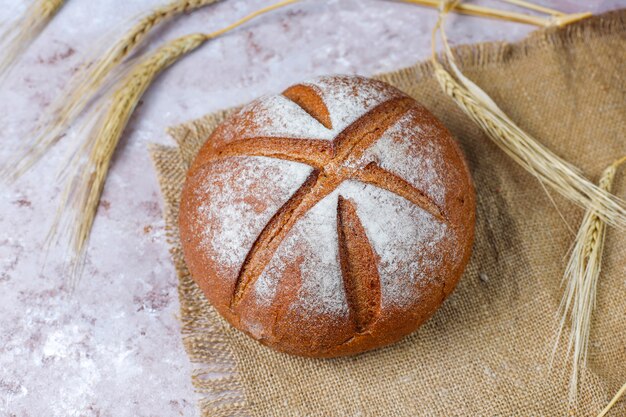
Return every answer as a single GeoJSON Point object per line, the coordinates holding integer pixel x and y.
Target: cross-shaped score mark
{"type": "Point", "coordinates": [333, 162]}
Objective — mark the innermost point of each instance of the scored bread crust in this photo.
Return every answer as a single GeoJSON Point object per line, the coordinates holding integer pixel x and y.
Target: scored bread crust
{"type": "Point", "coordinates": [329, 220]}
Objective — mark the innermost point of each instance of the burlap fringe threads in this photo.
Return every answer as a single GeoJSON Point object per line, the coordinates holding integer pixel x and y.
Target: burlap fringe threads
{"type": "Point", "coordinates": [216, 376]}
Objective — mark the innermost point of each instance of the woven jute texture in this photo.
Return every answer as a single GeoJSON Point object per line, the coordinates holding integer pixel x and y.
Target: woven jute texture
{"type": "Point", "coordinates": [486, 351]}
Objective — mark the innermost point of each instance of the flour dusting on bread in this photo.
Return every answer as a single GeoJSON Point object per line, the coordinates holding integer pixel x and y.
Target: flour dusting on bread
{"type": "Point", "coordinates": [408, 240]}
{"type": "Point", "coordinates": [271, 224]}
{"type": "Point", "coordinates": [405, 237]}
{"type": "Point", "coordinates": [408, 150]}
{"type": "Point", "coordinates": [348, 100]}
{"type": "Point", "coordinates": [277, 116]}
{"type": "Point", "coordinates": [232, 219]}
{"type": "Point", "coordinates": [397, 229]}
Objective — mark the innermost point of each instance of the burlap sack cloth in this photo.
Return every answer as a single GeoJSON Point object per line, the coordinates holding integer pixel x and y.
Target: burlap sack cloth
{"type": "Point", "coordinates": [486, 351]}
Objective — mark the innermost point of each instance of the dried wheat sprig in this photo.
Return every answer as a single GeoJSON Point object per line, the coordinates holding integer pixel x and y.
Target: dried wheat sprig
{"type": "Point", "coordinates": [481, 11]}
{"type": "Point", "coordinates": [15, 39]}
{"type": "Point", "coordinates": [546, 166]}
{"type": "Point", "coordinates": [580, 279]}
{"type": "Point", "coordinates": [602, 207]}
{"type": "Point", "coordinates": [82, 194]}
{"type": "Point", "coordinates": [84, 86]}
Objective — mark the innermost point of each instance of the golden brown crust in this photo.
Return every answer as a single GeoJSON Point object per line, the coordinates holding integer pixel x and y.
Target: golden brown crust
{"type": "Point", "coordinates": [359, 266]}
{"type": "Point", "coordinates": [370, 320]}
{"type": "Point", "coordinates": [309, 98]}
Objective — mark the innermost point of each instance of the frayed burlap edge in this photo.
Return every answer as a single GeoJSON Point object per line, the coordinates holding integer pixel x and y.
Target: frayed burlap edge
{"type": "Point", "coordinates": [216, 377]}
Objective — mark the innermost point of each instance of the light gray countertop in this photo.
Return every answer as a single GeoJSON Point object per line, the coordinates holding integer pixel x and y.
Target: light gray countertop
{"type": "Point", "coordinates": [113, 347]}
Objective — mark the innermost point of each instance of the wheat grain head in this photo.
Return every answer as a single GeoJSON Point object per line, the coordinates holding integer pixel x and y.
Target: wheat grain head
{"type": "Point", "coordinates": [84, 86]}
{"type": "Point", "coordinates": [547, 167]}
{"type": "Point", "coordinates": [91, 164]}
{"type": "Point", "coordinates": [82, 193]}
{"type": "Point", "coordinates": [580, 280]}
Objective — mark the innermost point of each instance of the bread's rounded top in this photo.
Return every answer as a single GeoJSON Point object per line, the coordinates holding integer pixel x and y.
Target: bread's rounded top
{"type": "Point", "coordinates": [330, 219]}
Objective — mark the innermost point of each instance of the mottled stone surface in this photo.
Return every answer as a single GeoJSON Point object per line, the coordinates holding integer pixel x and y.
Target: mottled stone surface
{"type": "Point", "coordinates": [113, 347]}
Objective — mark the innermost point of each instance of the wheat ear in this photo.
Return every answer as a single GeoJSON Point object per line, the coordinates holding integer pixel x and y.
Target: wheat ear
{"type": "Point", "coordinates": [84, 86]}
{"type": "Point", "coordinates": [547, 167]}
{"type": "Point", "coordinates": [15, 39]}
{"type": "Point", "coordinates": [580, 279]}
{"type": "Point", "coordinates": [82, 194]}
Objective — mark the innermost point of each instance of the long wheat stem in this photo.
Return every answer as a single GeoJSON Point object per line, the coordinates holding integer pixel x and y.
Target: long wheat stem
{"type": "Point", "coordinates": [602, 207]}
{"type": "Point", "coordinates": [560, 19]}
{"type": "Point", "coordinates": [15, 39]}
{"type": "Point", "coordinates": [580, 279]}
{"type": "Point", "coordinates": [82, 195]}
{"type": "Point", "coordinates": [542, 163]}
{"type": "Point", "coordinates": [535, 7]}
{"type": "Point", "coordinates": [614, 400]}
{"type": "Point", "coordinates": [84, 86]}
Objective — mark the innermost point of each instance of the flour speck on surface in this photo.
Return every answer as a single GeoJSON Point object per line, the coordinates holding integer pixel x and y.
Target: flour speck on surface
{"type": "Point", "coordinates": [409, 242]}
{"type": "Point", "coordinates": [395, 151]}
{"type": "Point", "coordinates": [232, 222]}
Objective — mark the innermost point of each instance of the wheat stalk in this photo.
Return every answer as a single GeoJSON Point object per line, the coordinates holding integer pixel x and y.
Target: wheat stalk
{"type": "Point", "coordinates": [15, 39]}
{"type": "Point", "coordinates": [614, 400]}
{"type": "Point", "coordinates": [84, 86]}
{"type": "Point", "coordinates": [580, 279]}
{"type": "Point", "coordinates": [82, 194]}
{"type": "Point", "coordinates": [547, 167]}
{"type": "Point", "coordinates": [583, 269]}
{"type": "Point", "coordinates": [536, 7]}
{"type": "Point", "coordinates": [556, 18]}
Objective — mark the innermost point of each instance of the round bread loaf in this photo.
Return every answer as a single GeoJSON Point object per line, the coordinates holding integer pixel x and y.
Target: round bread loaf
{"type": "Point", "coordinates": [330, 219]}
